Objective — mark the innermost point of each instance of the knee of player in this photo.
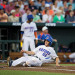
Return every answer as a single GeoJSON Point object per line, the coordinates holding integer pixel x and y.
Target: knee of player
{"type": "Point", "coordinates": [71, 56]}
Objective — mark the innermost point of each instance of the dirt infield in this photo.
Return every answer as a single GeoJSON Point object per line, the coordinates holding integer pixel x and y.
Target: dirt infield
{"type": "Point", "coordinates": [44, 68]}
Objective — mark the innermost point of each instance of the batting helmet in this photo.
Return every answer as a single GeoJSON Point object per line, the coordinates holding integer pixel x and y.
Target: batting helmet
{"type": "Point", "coordinates": [29, 17]}
{"type": "Point", "coordinates": [49, 39]}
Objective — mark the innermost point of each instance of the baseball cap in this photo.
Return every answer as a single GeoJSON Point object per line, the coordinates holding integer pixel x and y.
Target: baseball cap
{"type": "Point", "coordinates": [12, 11]}
{"type": "Point", "coordinates": [30, 17]}
{"type": "Point", "coordinates": [47, 5]}
{"type": "Point", "coordinates": [44, 28]}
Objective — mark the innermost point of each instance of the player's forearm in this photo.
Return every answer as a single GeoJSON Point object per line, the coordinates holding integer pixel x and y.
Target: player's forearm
{"type": "Point", "coordinates": [55, 40]}
{"type": "Point", "coordinates": [57, 61]}
{"type": "Point", "coordinates": [35, 33]}
{"type": "Point", "coordinates": [29, 52]}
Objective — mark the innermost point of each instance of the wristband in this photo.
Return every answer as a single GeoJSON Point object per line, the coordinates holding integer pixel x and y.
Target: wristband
{"type": "Point", "coordinates": [36, 38]}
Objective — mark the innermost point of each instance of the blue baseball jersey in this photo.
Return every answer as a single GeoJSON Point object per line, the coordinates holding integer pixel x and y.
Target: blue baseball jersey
{"type": "Point", "coordinates": [42, 36]}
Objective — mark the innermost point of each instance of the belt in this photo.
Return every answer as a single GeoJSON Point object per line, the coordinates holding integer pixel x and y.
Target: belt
{"type": "Point", "coordinates": [37, 57]}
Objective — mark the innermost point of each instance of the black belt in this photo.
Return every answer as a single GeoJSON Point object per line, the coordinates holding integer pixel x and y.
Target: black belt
{"type": "Point", "coordinates": [37, 57]}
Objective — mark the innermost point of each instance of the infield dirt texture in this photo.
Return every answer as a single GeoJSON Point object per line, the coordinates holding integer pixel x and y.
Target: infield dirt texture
{"type": "Point", "coordinates": [50, 68]}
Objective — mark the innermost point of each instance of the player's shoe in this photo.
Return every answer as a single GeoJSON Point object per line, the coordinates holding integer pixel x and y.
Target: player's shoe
{"type": "Point", "coordinates": [9, 61]}
{"type": "Point", "coordinates": [24, 64]}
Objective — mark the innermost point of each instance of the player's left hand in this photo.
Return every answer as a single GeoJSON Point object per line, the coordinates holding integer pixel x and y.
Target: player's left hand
{"type": "Point", "coordinates": [57, 65]}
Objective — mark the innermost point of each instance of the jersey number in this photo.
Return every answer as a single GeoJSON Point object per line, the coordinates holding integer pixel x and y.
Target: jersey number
{"type": "Point", "coordinates": [31, 30]}
{"type": "Point", "coordinates": [44, 54]}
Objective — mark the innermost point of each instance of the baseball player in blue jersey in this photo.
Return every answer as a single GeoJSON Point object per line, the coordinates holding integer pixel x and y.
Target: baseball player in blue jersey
{"type": "Point", "coordinates": [41, 54]}
{"type": "Point", "coordinates": [45, 34]}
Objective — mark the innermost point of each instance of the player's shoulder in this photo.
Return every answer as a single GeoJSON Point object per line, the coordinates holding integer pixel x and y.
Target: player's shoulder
{"type": "Point", "coordinates": [24, 23]}
{"type": "Point", "coordinates": [51, 49]}
{"type": "Point", "coordinates": [33, 23]}
{"type": "Point", "coordinates": [42, 46]}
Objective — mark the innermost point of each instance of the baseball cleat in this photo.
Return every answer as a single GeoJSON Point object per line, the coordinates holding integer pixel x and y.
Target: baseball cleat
{"type": "Point", "coordinates": [23, 64]}
{"type": "Point", "coordinates": [9, 61]}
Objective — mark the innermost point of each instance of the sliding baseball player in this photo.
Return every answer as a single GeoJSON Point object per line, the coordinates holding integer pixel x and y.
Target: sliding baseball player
{"type": "Point", "coordinates": [41, 54]}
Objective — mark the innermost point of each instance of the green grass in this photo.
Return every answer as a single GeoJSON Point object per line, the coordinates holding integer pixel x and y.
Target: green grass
{"type": "Point", "coordinates": [68, 64]}
{"type": "Point", "coordinates": [11, 72]}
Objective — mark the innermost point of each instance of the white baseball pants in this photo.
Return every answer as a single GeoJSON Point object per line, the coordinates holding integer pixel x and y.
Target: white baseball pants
{"type": "Point", "coordinates": [29, 60]}
{"type": "Point", "coordinates": [72, 56]}
{"type": "Point", "coordinates": [28, 41]}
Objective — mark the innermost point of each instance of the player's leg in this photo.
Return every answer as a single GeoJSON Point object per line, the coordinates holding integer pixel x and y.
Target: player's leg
{"type": "Point", "coordinates": [34, 62]}
{"type": "Point", "coordinates": [25, 46]}
{"type": "Point", "coordinates": [19, 61]}
{"type": "Point", "coordinates": [32, 44]}
{"type": "Point", "coordinates": [72, 55]}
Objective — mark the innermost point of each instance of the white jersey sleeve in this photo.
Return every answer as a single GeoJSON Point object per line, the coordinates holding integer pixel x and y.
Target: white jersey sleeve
{"type": "Point", "coordinates": [35, 28]}
{"type": "Point", "coordinates": [53, 54]}
{"type": "Point", "coordinates": [22, 27]}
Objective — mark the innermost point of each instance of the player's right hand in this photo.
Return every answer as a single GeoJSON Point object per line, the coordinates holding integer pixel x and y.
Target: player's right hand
{"type": "Point", "coordinates": [55, 40]}
{"type": "Point", "coordinates": [22, 51]}
{"type": "Point", "coordinates": [36, 42]}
